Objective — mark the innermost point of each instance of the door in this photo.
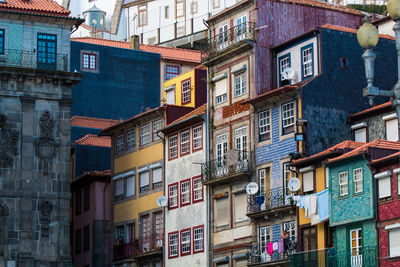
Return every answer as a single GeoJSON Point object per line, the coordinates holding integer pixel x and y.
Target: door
{"type": "Point", "coordinates": [146, 233]}
{"type": "Point", "coordinates": [241, 143]}
{"type": "Point", "coordinates": [158, 219]}
{"type": "Point", "coordinates": [309, 243]}
{"type": "Point", "coordinates": [221, 152]}
{"type": "Point", "coordinates": [356, 248]}
{"type": "Point", "coordinates": [46, 51]}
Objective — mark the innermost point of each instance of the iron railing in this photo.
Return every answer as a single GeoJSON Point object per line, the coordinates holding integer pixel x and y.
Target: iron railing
{"type": "Point", "coordinates": [34, 60]}
{"type": "Point", "coordinates": [256, 255]}
{"type": "Point", "coordinates": [143, 245]}
{"type": "Point", "coordinates": [362, 257]}
{"type": "Point", "coordinates": [234, 161]}
{"type": "Point", "coordinates": [271, 199]}
{"type": "Point", "coordinates": [315, 258]}
{"type": "Point", "coordinates": [228, 38]}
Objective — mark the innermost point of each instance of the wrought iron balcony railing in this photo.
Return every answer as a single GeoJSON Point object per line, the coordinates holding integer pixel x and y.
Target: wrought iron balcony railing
{"type": "Point", "coordinates": [227, 39]}
{"type": "Point", "coordinates": [233, 162]}
{"type": "Point", "coordinates": [317, 258]}
{"type": "Point", "coordinates": [361, 257]}
{"type": "Point", "coordinates": [256, 255]}
{"type": "Point", "coordinates": [275, 198]}
{"type": "Point", "coordinates": [143, 245]}
{"type": "Point", "coordinates": [34, 60]}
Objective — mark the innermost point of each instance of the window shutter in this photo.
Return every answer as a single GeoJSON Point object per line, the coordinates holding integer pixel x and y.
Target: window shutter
{"type": "Point", "coordinates": [170, 97]}
{"type": "Point", "coordinates": [308, 181]}
{"type": "Point", "coordinates": [240, 208]}
{"type": "Point", "coordinates": [119, 190]}
{"type": "Point", "coordinates": [392, 131]}
{"type": "Point", "coordinates": [360, 135]}
{"type": "Point", "coordinates": [222, 209]}
{"type": "Point", "coordinates": [326, 177]}
{"type": "Point", "coordinates": [157, 175]}
{"type": "Point", "coordinates": [384, 187]}
{"type": "Point", "coordinates": [394, 243]}
{"type": "Point", "coordinates": [144, 179]}
{"type": "Point", "coordinates": [130, 186]}
{"type": "Point", "coordinates": [221, 87]}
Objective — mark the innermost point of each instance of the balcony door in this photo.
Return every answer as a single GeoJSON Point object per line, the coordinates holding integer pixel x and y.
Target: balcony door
{"type": "Point", "coordinates": [241, 28]}
{"type": "Point", "coordinates": [241, 143]}
{"type": "Point", "coordinates": [158, 219]}
{"type": "Point", "coordinates": [356, 248]}
{"type": "Point", "coordinates": [222, 37]}
{"type": "Point", "coordinates": [221, 151]}
{"type": "Point", "coordinates": [146, 233]}
{"type": "Point", "coordinates": [46, 51]}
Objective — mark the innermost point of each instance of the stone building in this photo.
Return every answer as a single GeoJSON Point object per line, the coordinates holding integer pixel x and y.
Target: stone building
{"type": "Point", "coordinates": [35, 107]}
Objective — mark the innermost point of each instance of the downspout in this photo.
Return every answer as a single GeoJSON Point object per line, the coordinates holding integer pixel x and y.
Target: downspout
{"type": "Point", "coordinates": [208, 206]}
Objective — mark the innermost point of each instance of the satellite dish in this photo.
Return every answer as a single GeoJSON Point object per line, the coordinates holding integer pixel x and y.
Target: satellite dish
{"type": "Point", "coordinates": [251, 188]}
{"type": "Point", "coordinates": [288, 74]}
{"type": "Point", "coordinates": [294, 184]}
{"type": "Point", "coordinates": [162, 201]}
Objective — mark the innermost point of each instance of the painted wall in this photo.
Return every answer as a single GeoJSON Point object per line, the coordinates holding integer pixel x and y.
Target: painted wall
{"type": "Point", "coordinates": [91, 158]}
{"type": "Point", "coordinates": [386, 28]}
{"type": "Point", "coordinates": [286, 21]}
{"type": "Point", "coordinates": [126, 83]}
{"type": "Point", "coordinates": [351, 208]}
{"type": "Point", "coordinates": [376, 128]}
{"type": "Point", "coordinates": [342, 235]}
{"type": "Point", "coordinates": [177, 83]}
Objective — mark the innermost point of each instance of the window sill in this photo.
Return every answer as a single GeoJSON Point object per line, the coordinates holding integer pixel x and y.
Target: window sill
{"type": "Point", "coordinates": [150, 191]}
{"type": "Point", "coordinates": [285, 136]}
{"type": "Point", "coordinates": [221, 227]}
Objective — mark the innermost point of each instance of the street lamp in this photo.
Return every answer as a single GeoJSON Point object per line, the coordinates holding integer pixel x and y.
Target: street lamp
{"type": "Point", "coordinates": [368, 37]}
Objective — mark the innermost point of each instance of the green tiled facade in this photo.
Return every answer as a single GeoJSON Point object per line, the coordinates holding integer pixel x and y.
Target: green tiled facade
{"type": "Point", "coordinates": [342, 235]}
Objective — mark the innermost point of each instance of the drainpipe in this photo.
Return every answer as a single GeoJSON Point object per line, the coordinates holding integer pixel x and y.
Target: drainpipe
{"type": "Point", "coordinates": [208, 206]}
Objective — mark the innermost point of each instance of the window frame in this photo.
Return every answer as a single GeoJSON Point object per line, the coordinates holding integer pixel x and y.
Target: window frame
{"type": "Point", "coordinates": [242, 77]}
{"type": "Point", "coordinates": [343, 184]}
{"type": "Point", "coordinates": [140, 180]}
{"type": "Point", "coordinates": [167, 72]}
{"type": "Point", "coordinates": [153, 129]}
{"type": "Point", "coordinates": [2, 41]}
{"type": "Point", "coordinates": [141, 136]}
{"type": "Point", "coordinates": [202, 239]}
{"type": "Point", "coordinates": [183, 2]}
{"type": "Point", "coordinates": [396, 128]}
{"type": "Point", "coordinates": [194, 149]}
{"type": "Point", "coordinates": [89, 66]}
{"type": "Point", "coordinates": [280, 70]}
{"type": "Point", "coordinates": [181, 243]}
{"type": "Point", "coordinates": [379, 180]}
{"type": "Point", "coordinates": [358, 181]}
{"type": "Point", "coordinates": [267, 233]}
{"type": "Point", "coordinates": [120, 138]}
{"type": "Point", "coordinates": [194, 200]}
{"type": "Point", "coordinates": [46, 55]}
{"type": "Point", "coordinates": [303, 63]}
{"type": "Point", "coordinates": [184, 143]}
{"type": "Point", "coordinates": [284, 131]}
{"type": "Point", "coordinates": [176, 146]}
{"type": "Point", "coordinates": [177, 245]}
{"type": "Point", "coordinates": [188, 193]}
{"type": "Point", "coordinates": [291, 229]}
{"type": "Point", "coordinates": [142, 9]}
{"type": "Point", "coordinates": [177, 196]}
{"type": "Point", "coordinates": [186, 92]}
{"type": "Point", "coordinates": [194, 7]}
{"type": "Point", "coordinates": [131, 141]}
{"type": "Point", "coordinates": [268, 125]}
{"type": "Point", "coordinates": [159, 184]}
{"type": "Point", "coordinates": [389, 231]}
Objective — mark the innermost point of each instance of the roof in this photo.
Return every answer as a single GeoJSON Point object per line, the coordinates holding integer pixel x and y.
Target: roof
{"type": "Point", "coordinates": [94, 8]}
{"type": "Point", "coordinates": [387, 158]}
{"type": "Point", "coordinates": [88, 122]}
{"type": "Point", "coordinates": [90, 176]}
{"type": "Point", "coordinates": [374, 109]}
{"type": "Point", "coordinates": [338, 148]}
{"type": "Point", "coordinates": [167, 53]}
{"type": "Point", "coordinates": [382, 144]}
{"type": "Point", "coordinates": [94, 140]}
{"type": "Point", "coordinates": [38, 7]}
{"type": "Point", "coordinates": [378, 21]}
{"type": "Point", "coordinates": [197, 112]}
{"type": "Point", "coordinates": [277, 91]}
{"type": "Point", "coordinates": [323, 5]}
{"type": "Point", "coordinates": [351, 30]}
{"type": "Point", "coordinates": [227, 10]}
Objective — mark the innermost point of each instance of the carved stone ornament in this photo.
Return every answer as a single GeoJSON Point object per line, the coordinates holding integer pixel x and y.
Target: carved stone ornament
{"type": "Point", "coordinates": [45, 145]}
{"type": "Point", "coordinates": [3, 209]}
{"type": "Point", "coordinates": [8, 145]}
{"type": "Point", "coordinates": [45, 209]}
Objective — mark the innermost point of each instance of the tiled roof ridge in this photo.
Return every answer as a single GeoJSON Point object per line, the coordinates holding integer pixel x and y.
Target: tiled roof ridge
{"type": "Point", "coordinates": [351, 30]}
{"type": "Point", "coordinates": [197, 111]}
{"type": "Point", "coordinates": [94, 140]}
{"type": "Point", "coordinates": [35, 6]}
{"type": "Point", "coordinates": [377, 107]}
{"type": "Point", "coordinates": [397, 154]}
{"type": "Point", "coordinates": [92, 122]}
{"type": "Point", "coordinates": [97, 38]}
{"type": "Point", "coordinates": [172, 48]}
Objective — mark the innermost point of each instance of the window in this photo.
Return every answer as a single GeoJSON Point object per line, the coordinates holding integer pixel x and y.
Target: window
{"type": "Point", "coordinates": [241, 142]}
{"type": "Point", "coordinates": [173, 196]}
{"type": "Point", "coordinates": [170, 96]}
{"type": "Point", "coordinates": [180, 8]}
{"type": "Point", "coordinates": [173, 245]}
{"type": "Point", "coordinates": [89, 61]}
{"type": "Point", "coordinates": [198, 239]}
{"type": "Point", "coordinates": [221, 98]}
{"type": "Point", "coordinates": [158, 220]}
{"type": "Point", "coordinates": [241, 28]}
{"type": "Point", "coordinates": [173, 146]}
{"type": "Point", "coordinates": [119, 234]}
{"type": "Point", "coordinates": [78, 202]}
{"type": "Point", "coordinates": [130, 233]}
{"type": "Point", "coordinates": [264, 125]}
{"type": "Point", "coordinates": [394, 243]}
{"type": "Point", "coordinates": [197, 138]}
{"type": "Point", "coordinates": [355, 243]}
{"type": "Point", "coordinates": [360, 135]}
{"type": "Point", "coordinates": [185, 142]}
{"type": "Point", "coordinates": [145, 227]}
{"type": "Point", "coordinates": [145, 134]}
{"type": "Point", "coordinates": [240, 84]}
{"type": "Point", "coordinates": [78, 241]}
{"type": "Point", "coordinates": [144, 181]}
{"type": "Point", "coordinates": [222, 212]}
{"type": "Point", "coordinates": [287, 118]}
{"type": "Point", "coordinates": [86, 198]}
{"type": "Point", "coordinates": [358, 180]}
{"type": "Point", "coordinates": [197, 189]}
{"type": "Point", "coordinates": [265, 238]}
{"type": "Point", "coordinates": [308, 181]}
{"type": "Point", "coordinates": [131, 186]}
{"type": "Point", "coordinates": [240, 208]}
{"type": "Point", "coordinates": [185, 242]}
{"type": "Point", "coordinates": [194, 8]}
{"type": "Point", "coordinates": [119, 189]}
{"type": "Point", "coordinates": [186, 91]}
{"type": "Point", "coordinates": [157, 177]}
{"type": "Point", "coordinates": [216, 3]}
{"type": "Point", "coordinates": [263, 177]}
{"type": "Point", "coordinates": [2, 42]}
{"type": "Point", "coordinates": [185, 192]}
{"type": "Point", "coordinates": [222, 148]}
{"type": "Point", "coordinates": [166, 12]}
{"type": "Point", "coordinates": [157, 125]}
{"type": "Point", "coordinates": [287, 175]}
{"type": "Point", "coordinates": [171, 71]}
{"type": "Point", "coordinates": [284, 63]}
{"type": "Point", "coordinates": [119, 145]}
{"type": "Point", "coordinates": [131, 140]}
{"type": "Point", "coordinates": [307, 61]}
{"type": "Point", "coordinates": [46, 51]}
{"type": "Point", "coordinates": [392, 130]}
{"type": "Point", "coordinates": [142, 15]}
{"type": "Point", "coordinates": [384, 187]}
{"type": "Point", "coordinates": [222, 37]}
{"type": "Point", "coordinates": [86, 238]}
{"type": "Point", "coordinates": [290, 227]}
{"type": "Point", "coordinates": [343, 184]}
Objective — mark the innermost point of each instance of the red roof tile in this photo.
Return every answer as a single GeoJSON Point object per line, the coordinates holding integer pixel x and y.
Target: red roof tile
{"type": "Point", "coordinates": [351, 30]}
{"type": "Point", "coordinates": [199, 111]}
{"type": "Point", "coordinates": [383, 144]}
{"type": "Point", "coordinates": [393, 156]}
{"type": "Point", "coordinates": [88, 122]}
{"type": "Point", "coordinates": [168, 53]}
{"type": "Point", "coordinates": [338, 148]}
{"type": "Point", "coordinates": [94, 140]}
{"type": "Point", "coordinates": [41, 7]}
{"type": "Point", "coordinates": [371, 110]}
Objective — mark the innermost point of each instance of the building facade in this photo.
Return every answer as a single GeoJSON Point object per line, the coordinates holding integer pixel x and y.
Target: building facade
{"type": "Point", "coordinates": [35, 110]}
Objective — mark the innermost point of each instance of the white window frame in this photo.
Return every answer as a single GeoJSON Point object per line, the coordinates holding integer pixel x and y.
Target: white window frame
{"type": "Point", "coordinates": [358, 247]}
{"type": "Point", "coordinates": [265, 237]}
{"type": "Point", "coordinates": [343, 184]}
{"type": "Point", "coordinates": [173, 195]}
{"type": "Point", "coordinates": [120, 144]}
{"type": "Point", "coordinates": [173, 146]}
{"type": "Point", "coordinates": [358, 180]}
{"type": "Point", "coordinates": [288, 117]}
{"type": "Point", "coordinates": [221, 147]}
{"type": "Point", "coordinates": [307, 62]}
{"type": "Point", "coordinates": [197, 189]}
{"type": "Point", "coordinates": [185, 192]}
{"type": "Point", "coordinates": [145, 136]}
{"type": "Point", "coordinates": [197, 133]}
{"type": "Point", "coordinates": [131, 140]}
{"type": "Point", "coordinates": [290, 227]}
{"type": "Point", "coordinates": [241, 142]}
{"type": "Point", "coordinates": [185, 242]}
{"type": "Point", "coordinates": [173, 245]}
{"type": "Point", "coordinates": [221, 98]}
{"type": "Point", "coordinates": [157, 125]}
{"type": "Point", "coordinates": [284, 63]}
{"type": "Point", "coordinates": [264, 124]}
{"type": "Point", "coordinates": [186, 91]}
{"type": "Point", "coordinates": [185, 142]}
{"type": "Point", "coordinates": [240, 84]}
{"type": "Point", "coordinates": [146, 187]}
{"type": "Point", "coordinates": [198, 239]}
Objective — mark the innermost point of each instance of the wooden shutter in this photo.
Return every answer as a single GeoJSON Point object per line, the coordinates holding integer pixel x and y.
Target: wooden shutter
{"type": "Point", "coordinates": [384, 187]}
{"type": "Point", "coordinates": [130, 186]}
{"type": "Point", "coordinates": [308, 181]}
{"type": "Point", "coordinates": [394, 243]}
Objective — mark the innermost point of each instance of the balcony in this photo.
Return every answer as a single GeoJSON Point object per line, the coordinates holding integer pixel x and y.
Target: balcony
{"type": "Point", "coordinates": [233, 165]}
{"type": "Point", "coordinates": [272, 202]}
{"type": "Point", "coordinates": [262, 258]}
{"type": "Point", "coordinates": [143, 247]}
{"type": "Point", "coordinates": [362, 257]}
{"type": "Point", "coordinates": [228, 43]}
{"type": "Point", "coordinates": [34, 60]}
{"type": "Point", "coordinates": [317, 258]}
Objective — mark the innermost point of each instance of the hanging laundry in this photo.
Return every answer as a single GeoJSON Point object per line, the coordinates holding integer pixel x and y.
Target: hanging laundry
{"type": "Point", "coordinates": [275, 246]}
{"type": "Point", "coordinates": [281, 245]}
{"type": "Point", "coordinates": [270, 249]}
{"type": "Point", "coordinates": [313, 204]}
{"type": "Point", "coordinates": [323, 204]}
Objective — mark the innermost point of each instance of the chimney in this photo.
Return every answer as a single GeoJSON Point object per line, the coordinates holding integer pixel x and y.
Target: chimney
{"type": "Point", "coordinates": [135, 42]}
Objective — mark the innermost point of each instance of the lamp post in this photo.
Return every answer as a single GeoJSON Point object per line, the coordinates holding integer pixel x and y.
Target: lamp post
{"type": "Point", "coordinates": [368, 37]}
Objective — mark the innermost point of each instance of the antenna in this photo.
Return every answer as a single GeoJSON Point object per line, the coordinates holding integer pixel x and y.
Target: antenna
{"type": "Point", "coordinates": [162, 201]}
{"type": "Point", "coordinates": [251, 188]}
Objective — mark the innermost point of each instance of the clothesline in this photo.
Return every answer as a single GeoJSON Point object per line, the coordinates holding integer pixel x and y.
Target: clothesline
{"type": "Point", "coordinates": [316, 206]}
